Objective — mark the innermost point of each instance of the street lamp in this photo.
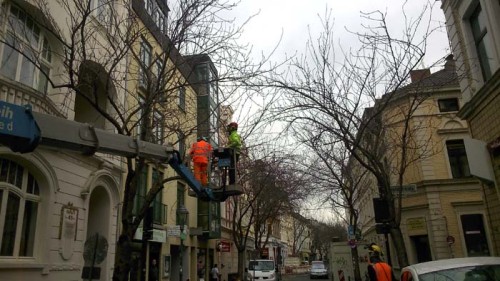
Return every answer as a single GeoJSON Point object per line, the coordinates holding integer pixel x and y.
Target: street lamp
{"type": "Point", "coordinates": [182, 215]}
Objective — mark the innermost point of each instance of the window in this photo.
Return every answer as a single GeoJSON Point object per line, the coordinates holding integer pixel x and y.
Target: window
{"type": "Point", "coordinates": [140, 193]}
{"type": "Point", "coordinates": [181, 102]}
{"type": "Point", "coordinates": [156, 13]}
{"type": "Point", "coordinates": [149, 5]}
{"type": "Point", "coordinates": [474, 235]}
{"type": "Point", "coordinates": [32, 66]}
{"type": "Point", "coordinates": [157, 127]}
{"type": "Point", "coordinates": [458, 159]}
{"type": "Point", "coordinates": [182, 143]}
{"type": "Point", "coordinates": [159, 67]}
{"type": "Point", "coordinates": [140, 114]}
{"type": "Point", "coordinates": [145, 63]}
{"type": "Point", "coordinates": [448, 105]}
{"type": "Point", "coordinates": [102, 11]}
{"type": "Point", "coordinates": [19, 203]}
{"type": "Point", "coordinates": [159, 210]}
{"type": "Point", "coordinates": [481, 40]}
{"type": "Point", "coordinates": [181, 198]}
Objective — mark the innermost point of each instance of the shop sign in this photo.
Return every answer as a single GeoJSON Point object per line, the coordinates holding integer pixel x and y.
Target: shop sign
{"type": "Point", "coordinates": [225, 246]}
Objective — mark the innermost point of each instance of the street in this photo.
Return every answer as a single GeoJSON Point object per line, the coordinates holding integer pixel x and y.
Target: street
{"type": "Point", "coordinates": [299, 277]}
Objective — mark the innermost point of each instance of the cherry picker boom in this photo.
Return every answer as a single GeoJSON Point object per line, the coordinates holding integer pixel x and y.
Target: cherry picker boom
{"type": "Point", "coordinates": [23, 130]}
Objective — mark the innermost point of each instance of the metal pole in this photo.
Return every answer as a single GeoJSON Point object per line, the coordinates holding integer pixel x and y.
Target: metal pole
{"type": "Point", "coordinates": [181, 253]}
{"type": "Point", "coordinates": [388, 250]}
{"type": "Point", "coordinates": [94, 256]}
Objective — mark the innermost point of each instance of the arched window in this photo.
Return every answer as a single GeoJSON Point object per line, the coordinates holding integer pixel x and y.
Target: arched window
{"type": "Point", "coordinates": [19, 203]}
{"type": "Point", "coordinates": [25, 51]}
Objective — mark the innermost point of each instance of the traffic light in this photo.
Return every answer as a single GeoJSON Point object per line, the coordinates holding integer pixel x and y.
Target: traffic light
{"type": "Point", "coordinates": [147, 224]}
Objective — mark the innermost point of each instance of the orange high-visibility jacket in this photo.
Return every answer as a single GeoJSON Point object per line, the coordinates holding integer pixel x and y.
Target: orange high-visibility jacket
{"type": "Point", "coordinates": [383, 271]}
{"type": "Point", "coordinates": [200, 151]}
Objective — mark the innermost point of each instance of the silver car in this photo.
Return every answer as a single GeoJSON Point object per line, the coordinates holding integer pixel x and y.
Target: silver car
{"type": "Point", "coordinates": [459, 269]}
{"type": "Point", "coordinates": [318, 270]}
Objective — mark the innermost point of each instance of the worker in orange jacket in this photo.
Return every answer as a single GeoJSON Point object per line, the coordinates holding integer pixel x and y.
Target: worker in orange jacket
{"type": "Point", "coordinates": [200, 152]}
{"type": "Point", "coordinates": [378, 270]}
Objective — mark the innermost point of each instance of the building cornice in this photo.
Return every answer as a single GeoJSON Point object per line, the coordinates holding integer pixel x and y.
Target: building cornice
{"type": "Point", "coordinates": [472, 107]}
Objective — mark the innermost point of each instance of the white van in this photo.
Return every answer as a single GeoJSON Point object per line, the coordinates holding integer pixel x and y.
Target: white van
{"type": "Point", "coordinates": [261, 270]}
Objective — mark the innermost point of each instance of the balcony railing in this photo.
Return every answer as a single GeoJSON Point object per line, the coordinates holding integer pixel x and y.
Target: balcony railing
{"type": "Point", "coordinates": [17, 93]}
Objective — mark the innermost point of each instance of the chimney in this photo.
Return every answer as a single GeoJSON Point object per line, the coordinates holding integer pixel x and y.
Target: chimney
{"type": "Point", "coordinates": [450, 63]}
{"type": "Point", "coordinates": [419, 74]}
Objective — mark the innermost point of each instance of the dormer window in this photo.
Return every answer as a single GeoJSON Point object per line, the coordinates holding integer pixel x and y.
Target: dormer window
{"type": "Point", "coordinates": [448, 105]}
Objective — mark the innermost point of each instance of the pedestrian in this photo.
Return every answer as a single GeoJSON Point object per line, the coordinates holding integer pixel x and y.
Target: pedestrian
{"type": "Point", "coordinates": [153, 271]}
{"type": "Point", "coordinates": [214, 273]}
{"type": "Point", "coordinates": [200, 153]}
{"type": "Point", "coordinates": [201, 270]}
{"type": "Point", "coordinates": [234, 142]}
{"type": "Point", "coordinates": [378, 270]}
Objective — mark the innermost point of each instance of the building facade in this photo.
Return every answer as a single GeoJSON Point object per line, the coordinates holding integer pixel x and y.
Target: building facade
{"type": "Point", "coordinates": [475, 41]}
{"type": "Point", "coordinates": [442, 211]}
{"type": "Point", "coordinates": [54, 203]}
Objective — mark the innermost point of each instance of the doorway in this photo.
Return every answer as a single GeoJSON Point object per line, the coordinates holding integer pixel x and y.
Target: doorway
{"type": "Point", "coordinates": [475, 235]}
{"type": "Point", "coordinates": [421, 247]}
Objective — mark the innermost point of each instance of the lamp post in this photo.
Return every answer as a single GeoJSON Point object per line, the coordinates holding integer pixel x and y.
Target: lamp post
{"type": "Point", "coordinates": [182, 215]}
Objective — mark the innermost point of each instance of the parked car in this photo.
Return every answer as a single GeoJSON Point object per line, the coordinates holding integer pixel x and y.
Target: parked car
{"type": "Point", "coordinates": [458, 269]}
{"type": "Point", "coordinates": [318, 270]}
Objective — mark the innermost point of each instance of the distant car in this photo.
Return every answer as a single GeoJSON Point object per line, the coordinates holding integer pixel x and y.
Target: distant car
{"type": "Point", "coordinates": [318, 270]}
{"type": "Point", "coordinates": [459, 269]}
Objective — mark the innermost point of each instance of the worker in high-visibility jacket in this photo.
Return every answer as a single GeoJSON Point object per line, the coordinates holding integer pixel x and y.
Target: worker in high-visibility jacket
{"type": "Point", "coordinates": [200, 153]}
{"type": "Point", "coordinates": [234, 142]}
{"type": "Point", "coordinates": [378, 270]}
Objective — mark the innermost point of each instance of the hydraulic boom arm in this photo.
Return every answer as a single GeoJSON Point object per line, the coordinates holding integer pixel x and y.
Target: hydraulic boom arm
{"type": "Point", "coordinates": [23, 130]}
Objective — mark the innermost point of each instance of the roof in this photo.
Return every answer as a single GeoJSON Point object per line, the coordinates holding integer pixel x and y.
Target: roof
{"type": "Point", "coordinates": [443, 78]}
{"type": "Point", "coordinates": [431, 266]}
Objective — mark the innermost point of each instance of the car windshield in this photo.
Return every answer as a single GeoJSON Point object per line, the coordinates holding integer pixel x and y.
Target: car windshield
{"type": "Point", "coordinates": [470, 273]}
{"type": "Point", "coordinates": [261, 265]}
{"type": "Point", "coordinates": [317, 266]}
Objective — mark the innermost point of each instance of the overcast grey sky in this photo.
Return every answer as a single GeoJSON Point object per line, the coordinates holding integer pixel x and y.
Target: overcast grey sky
{"type": "Point", "coordinates": [293, 17]}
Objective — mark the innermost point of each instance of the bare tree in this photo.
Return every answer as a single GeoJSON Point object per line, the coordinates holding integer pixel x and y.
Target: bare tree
{"type": "Point", "coordinates": [337, 182]}
{"type": "Point", "coordinates": [300, 233]}
{"type": "Point", "coordinates": [345, 107]}
{"type": "Point", "coordinates": [272, 188]}
{"type": "Point", "coordinates": [322, 234]}
{"type": "Point", "coordinates": [99, 49]}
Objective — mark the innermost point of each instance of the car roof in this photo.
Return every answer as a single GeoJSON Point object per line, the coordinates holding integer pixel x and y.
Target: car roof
{"type": "Point", "coordinates": [431, 266]}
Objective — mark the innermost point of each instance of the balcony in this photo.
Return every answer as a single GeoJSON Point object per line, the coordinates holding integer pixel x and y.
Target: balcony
{"type": "Point", "coordinates": [17, 93]}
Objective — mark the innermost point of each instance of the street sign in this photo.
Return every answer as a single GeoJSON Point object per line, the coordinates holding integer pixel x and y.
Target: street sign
{"type": "Point", "coordinates": [405, 189]}
{"type": "Point", "coordinates": [95, 249]}
{"type": "Point", "coordinates": [173, 230]}
{"type": "Point", "coordinates": [18, 129]}
{"type": "Point", "coordinates": [350, 232]}
{"type": "Point", "coordinates": [450, 239]}
{"type": "Point", "coordinates": [352, 243]}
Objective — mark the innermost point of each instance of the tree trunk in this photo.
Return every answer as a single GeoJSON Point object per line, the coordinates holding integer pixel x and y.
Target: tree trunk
{"type": "Point", "coordinates": [123, 257]}
{"type": "Point", "coordinates": [397, 238]}
{"type": "Point", "coordinates": [355, 264]}
{"type": "Point", "coordinates": [241, 264]}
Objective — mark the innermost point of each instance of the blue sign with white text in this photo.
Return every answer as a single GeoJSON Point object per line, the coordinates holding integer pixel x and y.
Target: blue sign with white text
{"type": "Point", "coordinates": [18, 129]}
